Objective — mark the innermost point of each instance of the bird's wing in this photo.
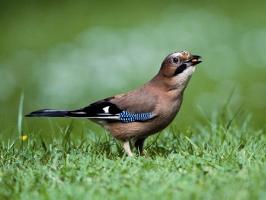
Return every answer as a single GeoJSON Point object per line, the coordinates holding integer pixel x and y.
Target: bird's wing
{"type": "Point", "coordinates": [137, 101]}
{"type": "Point", "coordinates": [130, 107]}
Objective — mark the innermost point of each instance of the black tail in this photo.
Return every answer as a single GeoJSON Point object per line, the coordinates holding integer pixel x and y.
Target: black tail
{"type": "Point", "coordinates": [48, 113]}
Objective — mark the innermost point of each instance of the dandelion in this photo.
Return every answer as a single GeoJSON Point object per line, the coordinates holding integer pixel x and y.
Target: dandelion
{"type": "Point", "coordinates": [23, 137]}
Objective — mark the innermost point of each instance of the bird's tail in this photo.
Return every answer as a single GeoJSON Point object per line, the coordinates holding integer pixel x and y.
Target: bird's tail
{"type": "Point", "coordinates": [48, 113]}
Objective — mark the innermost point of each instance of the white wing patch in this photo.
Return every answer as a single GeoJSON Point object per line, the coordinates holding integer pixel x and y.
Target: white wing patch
{"type": "Point", "coordinates": [80, 113]}
{"type": "Point", "coordinates": [106, 109]}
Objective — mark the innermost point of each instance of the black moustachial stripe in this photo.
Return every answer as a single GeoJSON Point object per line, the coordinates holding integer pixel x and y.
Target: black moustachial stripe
{"type": "Point", "coordinates": [180, 69]}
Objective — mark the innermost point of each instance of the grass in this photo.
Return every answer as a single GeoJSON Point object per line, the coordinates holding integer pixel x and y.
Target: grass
{"type": "Point", "coordinates": [220, 159]}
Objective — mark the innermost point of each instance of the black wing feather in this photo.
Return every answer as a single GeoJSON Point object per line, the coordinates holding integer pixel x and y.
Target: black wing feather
{"type": "Point", "coordinates": [96, 109]}
{"type": "Point", "coordinates": [101, 110]}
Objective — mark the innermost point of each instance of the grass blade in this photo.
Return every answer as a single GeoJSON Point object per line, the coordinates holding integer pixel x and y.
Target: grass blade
{"type": "Point", "coordinates": [20, 114]}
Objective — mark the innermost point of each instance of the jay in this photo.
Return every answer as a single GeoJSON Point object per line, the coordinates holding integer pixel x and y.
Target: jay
{"type": "Point", "coordinates": [133, 116]}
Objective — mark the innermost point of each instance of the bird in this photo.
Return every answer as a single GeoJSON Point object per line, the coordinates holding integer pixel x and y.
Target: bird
{"type": "Point", "coordinates": [133, 116]}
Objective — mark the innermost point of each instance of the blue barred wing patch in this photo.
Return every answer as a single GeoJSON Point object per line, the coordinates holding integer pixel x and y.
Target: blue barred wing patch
{"type": "Point", "coordinates": [127, 117]}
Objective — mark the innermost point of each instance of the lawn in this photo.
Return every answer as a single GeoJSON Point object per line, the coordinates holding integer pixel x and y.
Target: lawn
{"type": "Point", "coordinates": [219, 159]}
{"type": "Point", "coordinates": [68, 54]}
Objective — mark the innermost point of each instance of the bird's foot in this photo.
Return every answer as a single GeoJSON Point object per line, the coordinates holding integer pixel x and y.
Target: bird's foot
{"type": "Point", "coordinates": [126, 146]}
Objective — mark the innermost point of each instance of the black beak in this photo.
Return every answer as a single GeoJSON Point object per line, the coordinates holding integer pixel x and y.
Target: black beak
{"type": "Point", "coordinates": [195, 60]}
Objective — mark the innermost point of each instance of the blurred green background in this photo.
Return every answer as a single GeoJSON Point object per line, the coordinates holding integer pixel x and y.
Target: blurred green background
{"type": "Point", "coordinates": [67, 54]}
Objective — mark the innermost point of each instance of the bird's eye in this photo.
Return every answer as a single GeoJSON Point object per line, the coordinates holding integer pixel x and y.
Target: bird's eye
{"type": "Point", "coordinates": [175, 60]}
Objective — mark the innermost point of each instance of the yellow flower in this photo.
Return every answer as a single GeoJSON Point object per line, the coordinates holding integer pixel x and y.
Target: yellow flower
{"type": "Point", "coordinates": [23, 137]}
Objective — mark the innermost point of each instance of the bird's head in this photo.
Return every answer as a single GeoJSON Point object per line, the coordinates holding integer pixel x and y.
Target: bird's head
{"type": "Point", "coordinates": [177, 68]}
{"type": "Point", "coordinates": [180, 63]}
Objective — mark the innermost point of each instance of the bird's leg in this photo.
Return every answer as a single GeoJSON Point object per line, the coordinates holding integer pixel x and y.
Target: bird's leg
{"type": "Point", "coordinates": [139, 144]}
{"type": "Point", "coordinates": [126, 146]}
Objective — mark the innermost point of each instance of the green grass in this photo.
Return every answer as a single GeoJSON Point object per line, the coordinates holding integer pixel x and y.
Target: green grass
{"type": "Point", "coordinates": [220, 159]}
{"type": "Point", "coordinates": [56, 52]}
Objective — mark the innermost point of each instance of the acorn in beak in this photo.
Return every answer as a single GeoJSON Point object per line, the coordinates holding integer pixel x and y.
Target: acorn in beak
{"type": "Point", "coordinates": [194, 60]}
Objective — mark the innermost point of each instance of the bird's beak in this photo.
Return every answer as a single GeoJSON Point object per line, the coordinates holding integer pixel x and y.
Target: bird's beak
{"type": "Point", "coordinates": [195, 60]}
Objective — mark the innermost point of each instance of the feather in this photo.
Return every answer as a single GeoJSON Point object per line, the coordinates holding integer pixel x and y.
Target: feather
{"type": "Point", "coordinates": [105, 110]}
{"type": "Point", "coordinates": [133, 117]}
{"type": "Point", "coordinates": [48, 113]}
{"type": "Point", "coordinates": [100, 110]}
